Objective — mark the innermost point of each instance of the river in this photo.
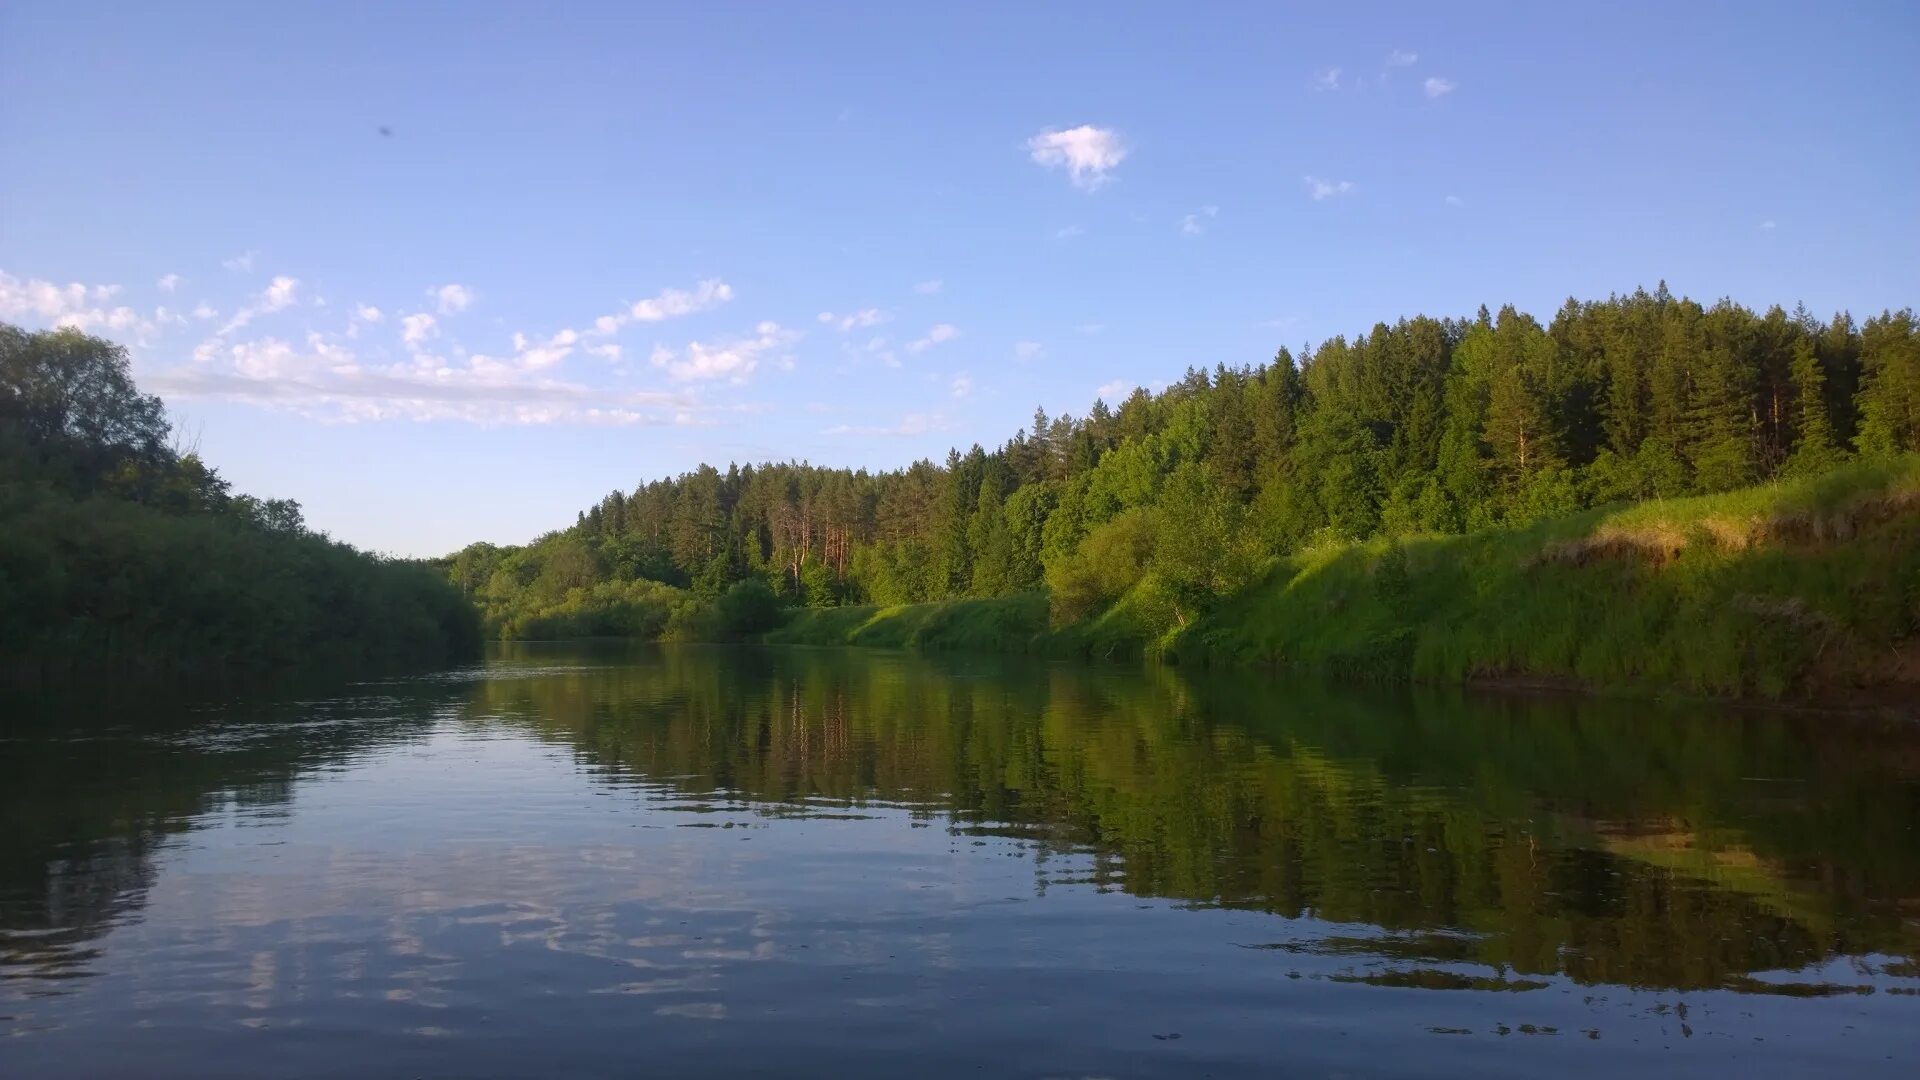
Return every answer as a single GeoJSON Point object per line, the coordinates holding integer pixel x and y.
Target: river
{"type": "Point", "coordinates": [603, 858]}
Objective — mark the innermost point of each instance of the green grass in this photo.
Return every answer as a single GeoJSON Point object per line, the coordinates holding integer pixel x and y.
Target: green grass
{"type": "Point", "coordinates": [1770, 592]}
{"type": "Point", "coordinates": [999, 624]}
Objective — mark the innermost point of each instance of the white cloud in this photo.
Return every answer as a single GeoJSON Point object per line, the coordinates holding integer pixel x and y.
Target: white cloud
{"type": "Point", "coordinates": [936, 335]}
{"type": "Point", "coordinates": [169, 283]}
{"type": "Point", "coordinates": [733, 361]}
{"type": "Point", "coordinates": [82, 307]}
{"type": "Point", "coordinates": [241, 263]}
{"type": "Point", "coordinates": [1068, 232]}
{"type": "Point", "coordinates": [205, 311]}
{"type": "Point", "coordinates": [1768, 225]}
{"type": "Point", "coordinates": [281, 292]}
{"type": "Point", "coordinates": [325, 380]}
{"type": "Point", "coordinates": [710, 293]}
{"type": "Point", "coordinates": [1401, 58]}
{"type": "Point", "coordinates": [1438, 87]}
{"type": "Point", "coordinates": [854, 321]}
{"type": "Point", "coordinates": [453, 299]}
{"type": "Point", "coordinates": [1028, 350]}
{"type": "Point", "coordinates": [1088, 153]}
{"type": "Point", "coordinates": [368, 313]}
{"type": "Point", "coordinates": [1091, 327]}
{"type": "Point", "coordinates": [1116, 391]}
{"type": "Point", "coordinates": [1455, 200]}
{"type": "Point", "coordinates": [962, 385]}
{"type": "Point", "coordinates": [417, 328]}
{"type": "Point", "coordinates": [1193, 224]}
{"type": "Point", "coordinates": [1327, 80]}
{"type": "Point", "coordinates": [1325, 189]}
{"type": "Point", "coordinates": [929, 288]}
{"type": "Point", "coordinates": [609, 352]}
{"type": "Point", "coordinates": [911, 424]}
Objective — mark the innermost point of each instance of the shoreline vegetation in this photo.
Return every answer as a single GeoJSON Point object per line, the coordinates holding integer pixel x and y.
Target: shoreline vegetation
{"type": "Point", "coordinates": [125, 559]}
{"type": "Point", "coordinates": [1642, 495]}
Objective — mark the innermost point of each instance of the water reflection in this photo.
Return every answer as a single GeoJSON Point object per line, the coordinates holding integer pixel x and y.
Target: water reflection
{"type": "Point", "coordinates": [863, 855]}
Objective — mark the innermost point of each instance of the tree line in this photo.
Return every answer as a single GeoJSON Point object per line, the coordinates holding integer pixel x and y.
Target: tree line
{"type": "Point", "coordinates": [123, 552]}
{"type": "Point", "coordinates": [1425, 425]}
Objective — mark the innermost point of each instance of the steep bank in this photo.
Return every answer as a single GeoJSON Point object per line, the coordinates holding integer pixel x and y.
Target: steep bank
{"type": "Point", "coordinates": [1791, 591]}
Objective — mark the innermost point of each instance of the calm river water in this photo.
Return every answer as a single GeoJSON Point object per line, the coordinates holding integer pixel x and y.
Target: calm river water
{"type": "Point", "coordinates": [619, 859]}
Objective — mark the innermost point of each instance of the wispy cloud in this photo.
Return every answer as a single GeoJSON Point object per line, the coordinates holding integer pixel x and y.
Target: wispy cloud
{"type": "Point", "coordinates": [1438, 87]}
{"type": "Point", "coordinates": [938, 334]}
{"type": "Point", "coordinates": [1455, 200]}
{"type": "Point", "coordinates": [1088, 153]}
{"type": "Point", "coordinates": [1768, 225]}
{"type": "Point", "coordinates": [281, 293]}
{"type": "Point", "coordinates": [962, 385]}
{"type": "Point", "coordinates": [1115, 391]}
{"type": "Point", "coordinates": [240, 263]}
{"type": "Point", "coordinates": [417, 328]}
{"type": "Point", "coordinates": [854, 320]}
{"type": "Point", "coordinates": [930, 288]}
{"type": "Point", "coordinates": [1068, 232]}
{"type": "Point", "coordinates": [169, 283]}
{"type": "Point", "coordinates": [733, 361]}
{"type": "Point", "coordinates": [1401, 58]}
{"type": "Point", "coordinates": [1028, 350]}
{"type": "Point", "coordinates": [910, 424]}
{"type": "Point", "coordinates": [1320, 188]}
{"type": "Point", "coordinates": [1327, 80]}
{"type": "Point", "coordinates": [324, 379]}
{"type": "Point", "coordinates": [1195, 223]}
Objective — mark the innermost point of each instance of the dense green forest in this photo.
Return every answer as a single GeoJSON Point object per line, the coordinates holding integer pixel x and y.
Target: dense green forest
{"type": "Point", "coordinates": [120, 553]}
{"type": "Point", "coordinates": [1419, 429]}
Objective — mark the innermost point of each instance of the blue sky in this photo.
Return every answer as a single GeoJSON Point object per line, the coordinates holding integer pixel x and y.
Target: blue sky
{"type": "Point", "coordinates": [601, 243]}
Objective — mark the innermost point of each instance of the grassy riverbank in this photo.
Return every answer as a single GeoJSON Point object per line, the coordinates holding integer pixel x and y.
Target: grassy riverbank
{"type": "Point", "coordinates": [1781, 592]}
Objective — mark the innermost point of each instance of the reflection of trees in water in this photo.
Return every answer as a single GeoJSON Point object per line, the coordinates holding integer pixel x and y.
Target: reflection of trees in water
{"type": "Point", "coordinates": [1611, 842]}
{"type": "Point", "coordinates": [89, 807]}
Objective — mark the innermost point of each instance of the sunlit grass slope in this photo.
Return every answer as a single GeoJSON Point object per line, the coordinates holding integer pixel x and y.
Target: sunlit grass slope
{"type": "Point", "coordinates": [1775, 591]}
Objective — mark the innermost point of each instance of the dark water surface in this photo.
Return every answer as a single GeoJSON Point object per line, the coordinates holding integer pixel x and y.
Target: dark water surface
{"type": "Point", "coordinates": [626, 860]}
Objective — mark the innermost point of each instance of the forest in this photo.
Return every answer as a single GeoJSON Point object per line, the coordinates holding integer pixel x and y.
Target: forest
{"type": "Point", "coordinates": [124, 554]}
{"type": "Point", "coordinates": [1422, 428]}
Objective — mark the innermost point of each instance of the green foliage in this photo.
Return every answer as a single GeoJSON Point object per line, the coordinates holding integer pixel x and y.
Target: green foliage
{"type": "Point", "coordinates": [747, 608]}
{"type": "Point", "coordinates": [119, 554]}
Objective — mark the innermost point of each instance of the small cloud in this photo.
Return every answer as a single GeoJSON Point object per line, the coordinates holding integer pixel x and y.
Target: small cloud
{"type": "Point", "coordinates": [415, 329]}
{"type": "Point", "coordinates": [1401, 58]}
{"type": "Point", "coordinates": [710, 293]}
{"type": "Point", "coordinates": [453, 299]}
{"type": "Point", "coordinates": [1068, 232]}
{"type": "Point", "coordinates": [1767, 225]}
{"type": "Point", "coordinates": [169, 283]}
{"type": "Point", "coordinates": [1455, 200]}
{"type": "Point", "coordinates": [205, 311]}
{"type": "Point", "coordinates": [368, 313]}
{"type": "Point", "coordinates": [1028, 350]}
{"type": "Point", "coordinates": [939, 334]}
{"type": "Point", "coordinates": [240, 263]}
{"type": "Point", "coordinates": [1326, 189]}
{"type": "Point", "coordinates": [930, 288]}
{"type": "Point", "coordinates": [1091, 327]}
{"type": "Point", "coordinates": [1088, 153]}
{"type": "Point", "coordinates": [1117, 390]}
{"type": "Point", "coordinates": [1327, 80]}
{"type": "Point", "coordinates": [610, 352]}
{"type": "Point", "coordinates": [1193, 224]}
{"type": "Point", "coordinates": [280, 293]}
{"type": "Point", "coordinates": [733, 361]}
{"type": "Point", "coordinates": [1438, 87]}
{"type": "Point", "coordinates": [854, 321]}
{"type": "Point", "coordinates": [962, 385]}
